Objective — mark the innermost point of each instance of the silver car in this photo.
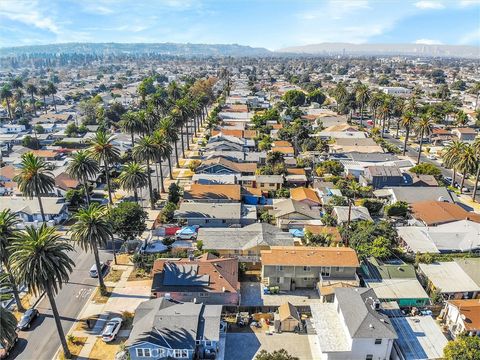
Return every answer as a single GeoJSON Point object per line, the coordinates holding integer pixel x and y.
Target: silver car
{"type": "Point", "coordinates": [111, 329]}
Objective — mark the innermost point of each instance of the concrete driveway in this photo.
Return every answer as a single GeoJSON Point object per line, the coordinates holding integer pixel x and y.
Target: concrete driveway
{"type": "Point", "coordinates": [250, 293]}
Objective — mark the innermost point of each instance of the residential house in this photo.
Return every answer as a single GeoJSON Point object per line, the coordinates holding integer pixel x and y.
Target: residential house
{"type": "Point", "coordinates": [244, 243]}
{"type": "Point", "coordinates": [306, 196]}
{"type": "Point", "coordinates": [449, 279]}
{"type": "Point", "coordinates": [214, 179]}
{"type": "Point", "coordinates": [462, 316]}
{"type": "Point", "coordinates": [411, 194]}
{"type": "Point", "coordinates": [382, 176]}
{"type": "Point", "coordinates": [465, 134]}
{"type": "Point", "coordinates": [262, 182]}
{"type": "Point", "coordinates": [223, 166]}
{"type": "Point", "coordinates": [343, 214]}
{"type": "Point", "coordinates": [63, 183]}
{"type": "Point", "coordinates": [212, 193]}
{"type": "Point", "coordinates": [291, 267]}
{"type": "Point", "coordinates": [420, 180]}
{"type": "Point", "coordinates": [432, 213]}
{"type": "Point", "coordinates": [165, 329]}
{"type": "Point", "coordinates": [216, 214]}
{"type": "Point", "coordinates": [12, 129]}
{"type": "Point", "coordinates": [347, 145]}
{"type": "Point", "coordinates": [286, 210]}
{"type": "Point", "coordinates": [28, 210]}
{"type": "Point", "coordinates": [353, 326]}
{"type": "Point", "coordinates": [207, 279]}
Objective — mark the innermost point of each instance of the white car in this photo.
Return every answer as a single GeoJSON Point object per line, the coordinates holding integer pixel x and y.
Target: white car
{"type": "Point", "coordinates": [186, 233]}
{"type": "Point", "coordinates": [111, 329]}
{"type": "Point", "coordinates": [432, 157]}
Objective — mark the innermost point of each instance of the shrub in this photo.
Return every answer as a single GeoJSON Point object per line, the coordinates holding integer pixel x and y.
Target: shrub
{"type": "Point", "coordinates": [373, 206]}
{"type": "Point", "coordinates": [400, 208]}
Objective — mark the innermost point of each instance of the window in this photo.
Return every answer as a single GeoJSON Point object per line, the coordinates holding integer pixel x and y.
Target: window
{"type": "Point", "coordinates": [262, 184]}
{"type": "Point", "coordinates": [146, 352]}
{"type": "Point", "coordinates": [325, 271]}
{"type": "Point", "coordinates": [207, 221]}
{"type": "Point", "coordinates": [271, 184]}
{"type": "Point", "coordinates": [143, 352]}
{"type": "Point", "coordinates": [224, 221]}
{"type": "Point", "coordinates": [305, 279]}
{"type": "Point", "coordinates": [278, 280]}
{"type": "Point", "coordinates": [378, 341]}
{"type": "Point", "coordinates": [204, 294]}
{"type": "Point", "coordinates": [306, 268]}
{"type": "Point", "coordinates": [280, 268]}
{"type": "Point", "coordinates": [369, 357]}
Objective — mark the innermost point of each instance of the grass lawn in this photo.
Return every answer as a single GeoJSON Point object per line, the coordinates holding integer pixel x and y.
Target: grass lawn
{"type": "Point", "coordinates": [114, 275]}
{"type": "Point", "coordinates": [102, 299]}
{"type": "Point", "coordinates": [75, 347]}
{"type": "Point", "coordinates": [139, 274]}
{"type": "Point", "coordinates": [102, 350]}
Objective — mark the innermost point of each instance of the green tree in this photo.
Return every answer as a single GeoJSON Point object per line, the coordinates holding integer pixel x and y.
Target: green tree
{"type": "Point", "coordinates": [35, 179]}
{"type": "Point", "coordinates": [294, 97]}
{"type": "Point", "coordinates": [166, 215]}
{"type": "Point", "coordinates": [400, 208]}
{"type": "Point", "coordinates": [463, 348]}
{"type": "Point", "coordinates": [167, 127]}
{"type": "Point", "coordinates": [105, 152]}
{"type": "Point", "coordinates": [330, 167]}
{"type": "Point", "coordinates": [39, 260]}
{"type": "Point", "coordinates": [146, 150]}
{"type": "Point", "coordinates": [82, 167]}
{"type": "Point", "coordinates": [362, 96]}
{"type": "Point", "coordinates": [164, 151]}
{"type": "Point", "coordinates": [8, 226]}
{"type": "Point", "coordinates": [281, 354]}
{"type": "Point", "coordinates": [426, 169]}
{"type": "Point", "coordinates": [132, 123]}
{"type": "Point", "coordinates": [6, 95]}
{"type": "Point", "coordinates": [174, 193]}
{"type": "Point", "coordinates": [133, 177]}
{"type": "Point", "coordinates": [452, 155]}
{"type": "Point", "coordinates": [32, 90]}
{"type": "Point", "coordinates": [52, 90]}
{"type": "Point", "coordinates": [43, 92]}
{"type": "Point", "coordinates": [408, 121]}
{"type": "Point", "coordinates": [92, 229]}
{"type": "Point", "coordinates": [31, 142]}
{"type": "Point", "coordinates": [381, 248]}
{"type": "Point", "coordinates": [317, 96]}
{"type": "Point", "coordinates": [467, 162]}
{"type": "Point", "coordinates": [128, 220]}
{"type": "Point", "coordinates": [476, 147]}
{"type": "Point", "coordinates": [423, 127]}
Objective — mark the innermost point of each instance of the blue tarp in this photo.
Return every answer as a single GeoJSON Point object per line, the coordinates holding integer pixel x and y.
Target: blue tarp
{"type": "Point", "coordinates": [296, 233]}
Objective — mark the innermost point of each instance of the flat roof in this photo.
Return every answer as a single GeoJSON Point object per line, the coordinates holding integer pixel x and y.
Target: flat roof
{"type": "Point", "coordinates": [397, 289]}
{"type": "Point", "coordinates": [449, 277]}
{"type": "Point", "coordinates": [419, 337]}
{"type": "Point", "coordinates": [331, 332]}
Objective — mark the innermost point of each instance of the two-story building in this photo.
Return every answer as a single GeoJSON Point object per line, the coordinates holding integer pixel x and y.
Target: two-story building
{"type": "Point", "coordinates": [291, 267]}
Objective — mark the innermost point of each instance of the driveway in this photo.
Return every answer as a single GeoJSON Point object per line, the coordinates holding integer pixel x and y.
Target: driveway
{"type": "Point", "coordinates": [244, 346]}
{"type": "Point", "coordinates": [250, 293]}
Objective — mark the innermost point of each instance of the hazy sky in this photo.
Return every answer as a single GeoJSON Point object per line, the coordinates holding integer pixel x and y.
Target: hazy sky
{"type": "Point", "coordinates": [268, 23]}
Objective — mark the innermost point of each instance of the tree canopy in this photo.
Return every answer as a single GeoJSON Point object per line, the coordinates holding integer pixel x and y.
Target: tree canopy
{"type": "Point", "coordinates": [128, 220]}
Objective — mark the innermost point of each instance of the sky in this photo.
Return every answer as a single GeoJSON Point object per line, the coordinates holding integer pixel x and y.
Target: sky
{"type": "Point", "coordinates": [273, 24]}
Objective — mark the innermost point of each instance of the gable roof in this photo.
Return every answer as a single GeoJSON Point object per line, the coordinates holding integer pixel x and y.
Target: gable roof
{"type": "Point", "coordinates": [309, 256]}
{"type": "Point", "coordinates": [440, 212]}
{"type": "Point", "coordinates": [243, 167]}
{"type": "Point", "coordinates": [213, 192]}
{"type": "Point", "coordinates": [288, 310]}
{"type": "Point", "coordinates": [302, 193]}
{"type": "Point", "coordinates": [422, 193]}
{"type": "Point", "coordinates": [290, 206]}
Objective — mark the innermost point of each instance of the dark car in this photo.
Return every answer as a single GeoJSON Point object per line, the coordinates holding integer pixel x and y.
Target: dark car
{"type": "Point", "coordinates": [27, 319]}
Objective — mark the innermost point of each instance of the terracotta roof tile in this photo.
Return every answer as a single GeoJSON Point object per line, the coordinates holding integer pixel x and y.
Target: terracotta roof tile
{"type": "Point", "coordinates": [471, 310]}
{"type": "Point", "coordinates": [439, 212]}
{"type": "Point", "coordinates": [302, 193]}
{"type": "Point", "coordinates": [200, 191]}
{"type": "Point", "coordinates": [310, 256]}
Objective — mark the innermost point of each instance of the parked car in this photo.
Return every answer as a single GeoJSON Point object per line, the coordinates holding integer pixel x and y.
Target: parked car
{"type": "Point", "coordinates": [432, 157]}
{"type": "Point", "coordinates": [111, 329]}
{"type": "Point", "coordinates": [186, 233]}
{"type": "Point", "coordinates": [6, 347]}
{"type": "Point", "coordinates": [93, 269]}
{"type": "Point", "coordinates": [27, 319]}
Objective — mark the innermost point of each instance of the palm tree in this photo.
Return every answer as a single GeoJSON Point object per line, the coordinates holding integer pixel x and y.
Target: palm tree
{"type": "Point", "coordinates": [340, 93]}
{"type": "Point", "coordinates": [52, 90]}
{"type": "Point", "coordinates": [131, 123]}
{"type": "Point", "coordinates": [146, 150]}
{"type": "Point", "coordinates": [174, 91]}
{"type": "Point", "coordinates": [476, 91]}
{"type": "Point", "coordinates": [408, 120]}
{"type": "Point", "coordinates": [39, 260]}
{"type": "Point", "coordinates": [8, 223]}
{"type": "Point", "coordinates": [385, 112]}
{"type": "Point", "coordinates": [168, 128]}
{"type": "Point", "coordinates": [105, 152]}
{"type": "Point", "coordinates": [133, 177]}
{"type": "Point", "coordinates": [185, 111]}
{"type": "Point", "coordinates": [82, 167]}
{"type": "Point", "coordinates": [8, 326]}
{"type": "Point", "coordinates": [19, 100]}
{"type": "Point", "coordinates": [6, 95]}
{"type": "Point", "coordinates": [451, 156]}
{"type": "Point", "coordinates": [423, 127]}
{"type": "Point", "coordinates": [44, 93]}
{"type": "Point", "coordinates": [461, 118]}
{"type": "Point", "coordinates": [362, 95]}
{"type": "Point", "coordinates": [35, 178]}
{"type": "Point", "coordinates": [476, 146]}
{"type": "Point", "coordinates": [467, 162]}
{"type": "Point", "coordinates": [375, 102]}
{"type": "Point", "coordinates": [164, 152]}
{"type": "Point", "coordinates": [92, 230]}
{"type": "Point", "coordinates": [32, 90]}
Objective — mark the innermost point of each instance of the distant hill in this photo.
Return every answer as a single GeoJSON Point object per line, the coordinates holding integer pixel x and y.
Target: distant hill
{"type": "Point", "coordinates": [386, 49]}
{"type": "Point", "coordinates": [137, 48]}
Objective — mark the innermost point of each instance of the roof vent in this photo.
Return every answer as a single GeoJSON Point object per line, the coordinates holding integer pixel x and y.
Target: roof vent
{"type": "Point", "coordinates": [370, 326]}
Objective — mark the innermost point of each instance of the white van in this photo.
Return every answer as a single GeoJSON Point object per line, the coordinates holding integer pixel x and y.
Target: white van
{"type": "Point", "coordinates": [93, 269]}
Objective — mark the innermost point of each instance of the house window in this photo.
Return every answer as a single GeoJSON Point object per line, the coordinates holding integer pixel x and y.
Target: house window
{"type": "Point", "coordinates": [208, 343]}
{"type": "Point", "coordinates": [369, 357]}
{"type": "Point", "coordinates": [271, 184]}
{"type": "Point", "coordinates": [305, 279]}
{"type": "Point", "coordinates": [262, 184]}
{"type": "Point", "coordinates": [306, 268]}
{"type": "Point", "coordinates": [142, 352]}
{"type": "Point", "coordinates": [325, 271]}
{"type": "Point", "coordinates": [378, 341]}
{"type": "Point", "coordinates": [224, 221]}
{"type": "Point", "coordinates": [279, 268]}
{"type": "Point", "coordinates": [146, 352]}
{"type": "Point", "coordinates": [204, 294]}
{"type": "Point", "coordinates": [278, 280]}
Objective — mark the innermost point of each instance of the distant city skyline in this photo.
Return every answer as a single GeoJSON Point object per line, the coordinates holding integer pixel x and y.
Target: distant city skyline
{"type": "Point", "coordinates": [272, 24]}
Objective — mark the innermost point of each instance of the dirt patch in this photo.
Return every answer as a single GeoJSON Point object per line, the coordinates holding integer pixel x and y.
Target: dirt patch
{"type": "Point", "coordinates": [124, 259]}
{"type": "Point", "coordinates": [114, 275]}
{"type": "Point", "coordinates": [98, 298]}
{"type": "Point", "coordinates": [81, 325]}
{"type": "Point", "coordinates": [75, 345]}
{"type": "Point", "coordinates": [102, 350]}
{"type": "Point", "coordinates": [139, 274]}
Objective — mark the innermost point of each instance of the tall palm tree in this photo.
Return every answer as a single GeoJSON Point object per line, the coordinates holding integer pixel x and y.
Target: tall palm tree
{"type": "Point", "coordinates": [423, 127]}
{"type": "Point", "coordinates": [340, 93]}
{"type": "Point", "coordinates": [476, 91]}
{"type": "Point", "coordinates": [92, 230]}
{"type": "Point", "coordinates": [185, 112]}
{"type": "Point", "coordinates": [384, 110]}
{"type": "Point", "coordinates": [164, 152]}
{"type": "Point", "coordinates": [131, 123]}
{"type": "Point", "coordinates": [39, 260]}
{"type": "Point", "coordinates": [52, 90]}
{"type": "Point", "coordinates": [146, 150]}
{"type": "Point", "coordinates": [35, 178]}
{"type": "Point", "coordinates": [362, 95]}
{"type": "Point", "coordinates": [461, 118]}
{"type": "Point", "coordinates": [17, 84]}
{"type": "Point", "coordinates": [6, 95]}
{"type": "Point", "coordinates": [105, 152]}
{"type": "Point", "coordinates": [451, 156]}
{"type": "Point", "coordinates": [168, 127]}
{"type": "Point", "coordinates": [43, 91]}
{"type": "Point", "coordinates": [408, 120]}
{"type": "Point", "coordinates": [19, 101]}
{"type": "Point", "coordinates": [375, 102]}
{"type": "Point", "coordinates": [467, 162]}
{"type": "Point", "coordinates": [476, 146]}
{"type": "Point", "coordinates": [82, 167]}
{"type": "Point", "coordinates": [32, 90]}
{"type": "Point", "coordinates": [8, 326]}
{"type": "Point", "coordinates": [133, 177]}
{"type": "Point", "coordinates": [8, 223]}
{"type": "Point", "coordinates": [174, 91]}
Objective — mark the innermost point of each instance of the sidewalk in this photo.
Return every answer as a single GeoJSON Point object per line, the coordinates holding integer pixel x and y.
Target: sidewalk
{"type": "Point", "coordinates": [125, 296]}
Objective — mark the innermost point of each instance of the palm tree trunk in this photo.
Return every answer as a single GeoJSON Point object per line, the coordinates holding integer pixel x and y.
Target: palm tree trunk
{"type": "Point", "coordinates": [107, 177]}
{"type": "Point", "coordinates": [21, 107]}
{"type": "Point", "coordinates": [406, 139]}
{"type": "Point", "coordinates": [453, 176]}
{"type": "Point", "coordinates": [45, 104]}
{"type": "Point", "coordinates": [133, 139]}
{"type": "Point", "coordinates": [162, 186]}
{"type": "Point", "coordinates": [101, 283]}
{"type": "Point", "coordinates": [135, 195]}
{"type": "Point", "coordinates": [152, 202]}
{"type": "Point", "coordinates": [14, 286]}
{"type": "Point", "coordinates": [475, 186]}
{"type": "Point", "coordinates": [169, 167]}
{"type": "Point", "coordinates": [87, 195]}
{"type": "Point", "coordinates": [58, 323]}
{"type": "Point", "coordinates": [383, 125]}
{"type": "Point", "coordinates": [183, 144]}
{"type": "Point", "coordinates": [464, 174]}
{"type": "Point", "coordinates": [156, 176]}
{"type": "Point", "coordinates": [33, 103]}
{"type": "Point", "coordinates": [9, 109]}
{"type": "Point", "coordinates": [186, 132]}
{"type": "Point", "coordinates": [420, 149]}
{"type": "Point", "coordinates": [176, 154]}
{"type": "Point", "coordinates": [54, 104]}
{"type": "Point", "coordinates": [40, 204]}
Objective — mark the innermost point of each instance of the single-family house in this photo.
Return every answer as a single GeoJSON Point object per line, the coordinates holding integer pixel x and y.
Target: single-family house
{"type": "Point", "coordinates": [413, 194]}
{"type": "Point", "coordinates": [432, 213]}
{"type": "Point", "coordinates": [462, 316]}
{"type": "Point", "coordinates": [306, 196]}
{"type": "Point", "coordinates": [216, 214]}
{"type": "Point", "coordinates": [223, 166]}
{"type": "Point", "coordinates": [28, 210]}
{"type": "Point", "coordinates": [343, 214]}
{"type": "Point", "coordinates": [382, 176]}
{"type": "Point", "coordinates": [212, 193]}
{"type": "Point", "coordinates": [263, 182]}
{"type": "Point", "coordinates": [290, 209]}
{"type": "Point", "coordinates": [465, 134]}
